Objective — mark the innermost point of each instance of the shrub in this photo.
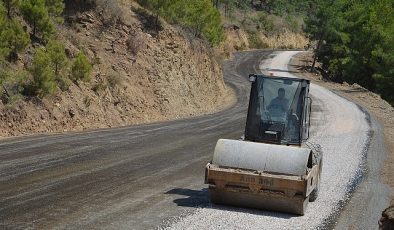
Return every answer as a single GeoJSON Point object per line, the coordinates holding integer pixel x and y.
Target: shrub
{"type": "Point", "coordinates": [99, 87]}
{"type": "Point", "coordinates": [12, 84]}
{"type": "Point", "coordinates": [81, 68]}
{"type": "Point", "coordinates": [63, 82]}
{"type": "Point", "coordinates": [114, 79]}
{"type": "Point", "coordinates": [200, 16]}
{"type": "Point", "coordinates": [135, 44]}
{"type": "Point", "coordinates": [110, 10]}
{"type": "Point", "coordinates": [43, 75]}
{"type": "Point", "coordinates": [265, 23]}
{"type": "Point", "coordinates": [255, 41]}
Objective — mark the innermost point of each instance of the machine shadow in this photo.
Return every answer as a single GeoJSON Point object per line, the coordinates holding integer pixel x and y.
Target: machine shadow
{"type": "Point", "coordinates": [200, 198]}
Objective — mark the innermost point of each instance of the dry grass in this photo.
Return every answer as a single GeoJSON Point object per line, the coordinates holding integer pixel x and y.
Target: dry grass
{"type": "Point", "coordinates": [286, 40]}
{"type": "Point", "coordinates": [135, 43]}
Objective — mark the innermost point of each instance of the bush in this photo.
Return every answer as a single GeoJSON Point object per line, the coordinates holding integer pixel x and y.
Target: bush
{"type": "Point", "coordinates": [81, 68]}
{"type": "Point", "coordinates": [135, 43]}
{"type": "Point", "coordinates": [200, 16]}
{"type": "Point", "coordinates": [114, 79]}
{"type": "Point", "coordinates": [12, 84]}
{"type": "Point", "coordinates": [63, 82]}
{"type": "Point", "coordinates": [255, 41]}
{"type": "Point", "coordinates": [43, 76]}
{"type": "Point", "coordinates": [265, 23]}
{"type": "Point", "coordinates": [99, 87]}
{"type": "Point", "coordinates": [110, 10]}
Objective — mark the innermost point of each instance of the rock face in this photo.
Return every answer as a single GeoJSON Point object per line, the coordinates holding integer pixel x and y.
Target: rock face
{"type": "Point", "coordinates": [387, 220]}
{"type": "Point", "coordinates": [139, 76]}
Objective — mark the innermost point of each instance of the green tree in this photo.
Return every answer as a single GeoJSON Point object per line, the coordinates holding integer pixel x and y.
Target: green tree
{"type": "Point", "coordinates": [9, 4]}
{"type": "Point", "coordinates": [381, 24]}
{"type": "Point", "coordinates": [36, 13]}
{"type": "Point", "coordinates": [355, 43]}
{"type": "Point", "coordinates": [13, 38]}
{"type": "Point", "coordinates": [57, 55]}
{"type": "Point", "coordinates": [59, 63]}
{"type": "Point", "coordinates": [81, 68]}
{"type": "Point", "coordinates": [17, 38]}
{"type": "Point", "coordinates": [320, 24]}
{"type": "Point", "coordinates": [4, 50]}
{"type": "Point", "coordinates": [43, 76]}
{"type": "Point", "coordinates": [55, 9]}
{"type": "Point", "coordinates": [200, 16]}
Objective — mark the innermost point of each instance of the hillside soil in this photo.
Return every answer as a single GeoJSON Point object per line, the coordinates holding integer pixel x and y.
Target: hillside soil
{"type": "Point", "coordinates": [372, 102]}
{"type": "Point", "coordinates": [140, 75]}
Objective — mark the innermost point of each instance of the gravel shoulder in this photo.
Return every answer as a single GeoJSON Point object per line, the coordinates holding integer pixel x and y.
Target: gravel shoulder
{"type": "Point", "coordinates": [375, 189]}
{"type": "Point", "coordinates": [341, 128]}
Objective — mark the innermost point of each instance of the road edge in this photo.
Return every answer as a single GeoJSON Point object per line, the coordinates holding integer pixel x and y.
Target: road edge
{"type": "Point", "coordinates": [350, 215]}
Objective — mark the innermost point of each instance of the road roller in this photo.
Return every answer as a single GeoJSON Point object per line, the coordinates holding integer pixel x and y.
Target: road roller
{"type": "Point", "coordinates": [272, 166]}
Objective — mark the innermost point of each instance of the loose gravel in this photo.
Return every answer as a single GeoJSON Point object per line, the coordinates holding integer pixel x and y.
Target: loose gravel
{"type": "Point", "coordinates": [342, 130]}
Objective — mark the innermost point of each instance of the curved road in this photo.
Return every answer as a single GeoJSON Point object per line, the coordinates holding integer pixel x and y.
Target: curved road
{"type": "Point", "coordinates": [147, 176]}
{"type": "Point", "coordinates": [133, 177]}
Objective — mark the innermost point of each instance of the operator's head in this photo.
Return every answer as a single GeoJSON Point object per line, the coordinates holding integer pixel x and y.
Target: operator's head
{"type": "Point", "coordinates": [281, 93]}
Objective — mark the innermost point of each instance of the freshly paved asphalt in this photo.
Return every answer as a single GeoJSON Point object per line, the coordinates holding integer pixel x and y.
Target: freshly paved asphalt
{"type": "Point", "coordinates": [142, 177]}
{"type": "Point", "coordinates": [135, 177]}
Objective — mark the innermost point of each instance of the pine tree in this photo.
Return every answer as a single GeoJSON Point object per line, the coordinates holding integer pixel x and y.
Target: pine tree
{"type": "Point", "coordinates": [13, 38]}
{"type": "Point", "coordinates": [55, 9]}
{"type": "Point", "coordinates": [9, 4]}
{"type": "Point", "coordinates": [59, 63]}
{"type": "Point", "coordinates": [36, 13]}
{"type": "Point", "coordinates": [200, 16]}
{"type": "Point", "coordinates": [4, 49]}
{"type": "Point", "coordinates": [355, 42]}
{"type": "Point", "coordinates": [18, 39]}
{"type": "Point", "coordinates": [43, 75]}
{"type": "Point", "coordinates": [57, 55]}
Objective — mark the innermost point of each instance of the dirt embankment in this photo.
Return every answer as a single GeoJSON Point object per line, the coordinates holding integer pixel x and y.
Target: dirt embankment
{"type": "Point", "coordinates": [237, 39]}
{"type": "Point", "coordinates": [139, 76]}
{"type": "Point", "coordinates": [381, 109]}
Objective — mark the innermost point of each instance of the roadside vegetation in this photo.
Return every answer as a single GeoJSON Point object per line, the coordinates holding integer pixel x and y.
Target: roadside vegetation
{"type": "Point", "coordinates": [354, 43]}
{"type": "Point", "coordinates": [28, 27]}
{"type": "Point", "coordinates": [267, 24]}
{"type": "Point", "coordinates": [198, 17]}
{"type": "Point", "coordinates": [352, 39]}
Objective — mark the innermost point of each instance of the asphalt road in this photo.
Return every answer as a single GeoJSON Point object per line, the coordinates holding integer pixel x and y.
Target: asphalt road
{"type": "Point", "coordinates": [344, 132]}
{"type": "Point", "coordinates": [151, 176]}
{"type": "Point", "coordinates": [131, 178]}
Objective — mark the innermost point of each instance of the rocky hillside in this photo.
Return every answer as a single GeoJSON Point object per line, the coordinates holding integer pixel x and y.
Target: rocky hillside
{"type": "Point", "coordinates": [139, 75]}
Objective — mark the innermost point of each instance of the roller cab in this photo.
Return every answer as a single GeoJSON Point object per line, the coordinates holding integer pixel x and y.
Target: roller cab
{"type": "Point", "coordinates": [273, 167]}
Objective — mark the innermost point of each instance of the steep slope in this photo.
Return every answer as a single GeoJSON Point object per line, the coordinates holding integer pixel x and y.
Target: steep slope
{"type": "Point", "coordinates": [139, 76]}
